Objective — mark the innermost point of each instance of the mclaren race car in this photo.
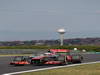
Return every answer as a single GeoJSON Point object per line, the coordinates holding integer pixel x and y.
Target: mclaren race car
{"type": "Point", "coordinates": [49, 60]}
{"type": "Point", "coordinates": [57, 56]}
{"type": "Point", "coordinates": [20, 60]}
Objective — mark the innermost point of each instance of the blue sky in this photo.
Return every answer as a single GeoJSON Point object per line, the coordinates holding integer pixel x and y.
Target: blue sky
{"type": "Point", "coordinates": [40, 19]}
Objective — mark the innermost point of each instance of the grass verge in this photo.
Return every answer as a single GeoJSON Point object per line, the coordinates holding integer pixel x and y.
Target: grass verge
{"type": "Point", "coordinates": [88, 69]}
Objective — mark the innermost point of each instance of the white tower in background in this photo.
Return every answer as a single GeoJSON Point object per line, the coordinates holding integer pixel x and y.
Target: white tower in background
{"type": "Point", "coordinates": [61, 32]}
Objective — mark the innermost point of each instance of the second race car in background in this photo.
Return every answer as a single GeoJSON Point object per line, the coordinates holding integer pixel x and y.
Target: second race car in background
{"type": "Point", "coordinates": [20, 61]}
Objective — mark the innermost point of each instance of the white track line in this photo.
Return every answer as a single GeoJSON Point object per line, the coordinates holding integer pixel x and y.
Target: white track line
{"type": "Point", "coordinates": [50, 68]}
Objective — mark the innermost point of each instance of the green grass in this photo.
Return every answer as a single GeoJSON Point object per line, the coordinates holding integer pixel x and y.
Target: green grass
{"type": "Point", "coordinates": [89, 69]}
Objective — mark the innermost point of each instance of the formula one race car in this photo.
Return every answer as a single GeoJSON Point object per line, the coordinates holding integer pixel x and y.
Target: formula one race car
{"type": "Point", "coordinates": [44, 60]}
{"type": "Point", "coordinates": [57, 56]}
{"type": "Point", "coordinates": [20, 61]}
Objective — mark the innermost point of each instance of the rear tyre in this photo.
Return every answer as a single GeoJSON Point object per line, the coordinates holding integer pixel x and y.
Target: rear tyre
{"type": "Point", "coordinates": [32, 62]}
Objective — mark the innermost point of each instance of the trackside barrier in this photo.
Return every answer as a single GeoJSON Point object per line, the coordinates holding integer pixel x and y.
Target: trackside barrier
{"type": "Point", "coordinates": [19, 51]}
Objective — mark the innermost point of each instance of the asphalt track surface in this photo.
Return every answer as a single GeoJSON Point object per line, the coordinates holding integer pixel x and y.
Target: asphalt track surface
{"type": "Point", "coordinates": [6, 68]}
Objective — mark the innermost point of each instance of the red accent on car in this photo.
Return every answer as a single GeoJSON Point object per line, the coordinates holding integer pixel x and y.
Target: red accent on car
{"type": "Point", "coordinates": [59, 50]}
{"type": "Point", "coordinates": [20, 62]}
{"type": "Point", "coordinates": [69, 58]}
